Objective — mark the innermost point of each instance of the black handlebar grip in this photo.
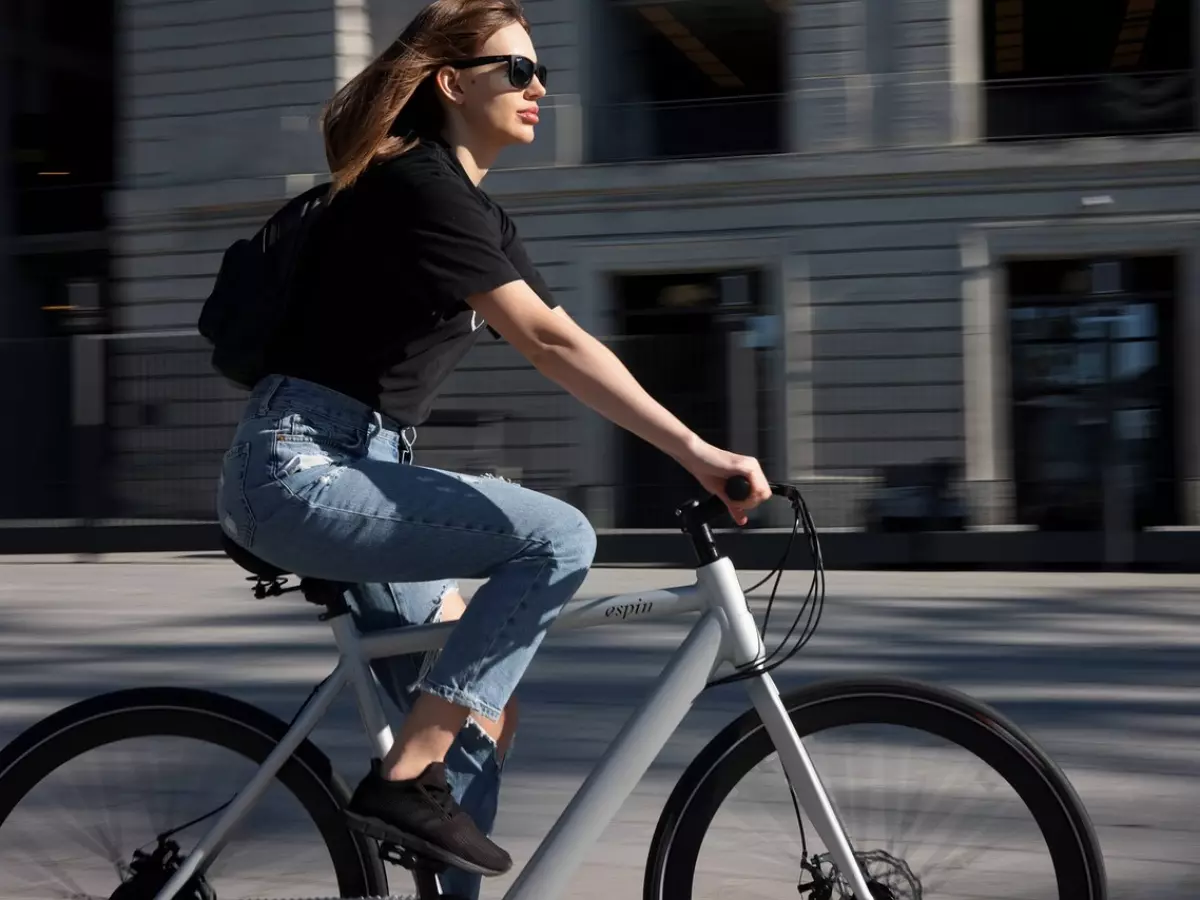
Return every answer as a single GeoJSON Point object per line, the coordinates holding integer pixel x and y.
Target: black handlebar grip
{"type": "Point", "coordinates": [737, 488]}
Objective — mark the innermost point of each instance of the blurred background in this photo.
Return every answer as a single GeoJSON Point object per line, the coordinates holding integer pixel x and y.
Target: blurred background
{"type": "Point", "coordinates": [937, 261]}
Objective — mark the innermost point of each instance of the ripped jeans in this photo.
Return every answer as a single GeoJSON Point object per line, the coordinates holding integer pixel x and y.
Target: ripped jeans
{"type": "Point", "coordinates": [315, 482]}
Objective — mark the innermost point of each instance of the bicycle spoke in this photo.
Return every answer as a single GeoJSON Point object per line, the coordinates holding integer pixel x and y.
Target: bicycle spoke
{"type": "Point", "coordinates": [80, 827]}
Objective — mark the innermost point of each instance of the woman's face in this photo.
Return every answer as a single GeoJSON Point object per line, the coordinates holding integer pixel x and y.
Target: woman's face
{"type": "Point", "coordinates": [494, 111]}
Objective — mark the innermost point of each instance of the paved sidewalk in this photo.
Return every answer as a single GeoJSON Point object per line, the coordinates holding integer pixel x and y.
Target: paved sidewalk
{"type": "Point", "coordinates": [1103, 670]}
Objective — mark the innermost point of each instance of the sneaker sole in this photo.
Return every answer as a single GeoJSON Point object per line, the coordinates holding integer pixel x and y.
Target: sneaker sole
{"type": "Point", "coordinates": [381, 831]}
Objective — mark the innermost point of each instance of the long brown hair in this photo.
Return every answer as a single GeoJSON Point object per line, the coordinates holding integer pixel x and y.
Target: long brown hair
{"type": "Point", "coordinates": [384, 110]}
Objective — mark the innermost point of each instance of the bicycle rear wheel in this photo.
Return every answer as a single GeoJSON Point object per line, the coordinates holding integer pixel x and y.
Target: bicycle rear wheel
{"type": "Point", "coordinates": [1040, 845]}
{"type": "Point", "coordinates": [84, 844]}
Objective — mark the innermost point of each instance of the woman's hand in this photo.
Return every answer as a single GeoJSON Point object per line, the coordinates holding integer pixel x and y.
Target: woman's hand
{"type": "Point", "coordinates": [712, 467]}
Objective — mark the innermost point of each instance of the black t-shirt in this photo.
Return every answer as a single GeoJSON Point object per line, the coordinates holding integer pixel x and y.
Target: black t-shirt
{"type": "Point", "coordinates": [380, 311]}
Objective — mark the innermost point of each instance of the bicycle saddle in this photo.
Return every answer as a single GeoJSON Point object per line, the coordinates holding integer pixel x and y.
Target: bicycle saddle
{"type": "Point", "coordinates": [249, 561]}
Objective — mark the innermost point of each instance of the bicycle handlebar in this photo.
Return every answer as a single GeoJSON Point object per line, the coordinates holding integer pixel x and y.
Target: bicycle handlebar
{"type": "Point", "coordinates": [737, 488]}
{"type": "Point", "coordinates": [698, 515]}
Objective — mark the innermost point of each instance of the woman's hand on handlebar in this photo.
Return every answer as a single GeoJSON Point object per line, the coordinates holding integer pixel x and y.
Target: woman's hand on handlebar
{"type": "Point", "coordinates": [713, 467]}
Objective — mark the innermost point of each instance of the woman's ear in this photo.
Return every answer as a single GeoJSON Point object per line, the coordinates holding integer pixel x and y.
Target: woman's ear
{"type": "Point", "coordinates": [447, 82]}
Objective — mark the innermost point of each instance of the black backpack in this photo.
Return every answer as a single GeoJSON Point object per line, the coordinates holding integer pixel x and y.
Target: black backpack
{"type": "Point", "coordinates": [250, 299]}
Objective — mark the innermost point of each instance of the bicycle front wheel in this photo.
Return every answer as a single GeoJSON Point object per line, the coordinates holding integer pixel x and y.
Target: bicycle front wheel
{"type": "Point", "coordinates": [101, 799]}
{"type": "Point", "coordinates": [909, 768]}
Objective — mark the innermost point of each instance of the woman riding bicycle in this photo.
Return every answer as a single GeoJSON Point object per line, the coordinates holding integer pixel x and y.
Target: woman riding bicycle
{"type": "Point", "coordinates": [409, 262]}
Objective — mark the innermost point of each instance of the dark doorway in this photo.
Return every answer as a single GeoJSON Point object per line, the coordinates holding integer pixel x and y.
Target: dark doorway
{"type": "Point", "coordinates": [684, 337]}
{"type": "Point", "coordinates": [1093, 413]}
{"type": "Point", "coordinates": [59, 167]}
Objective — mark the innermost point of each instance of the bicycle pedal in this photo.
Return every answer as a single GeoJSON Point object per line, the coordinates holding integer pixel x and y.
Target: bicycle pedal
{"type": "Point", "coordinates": [407, 859]}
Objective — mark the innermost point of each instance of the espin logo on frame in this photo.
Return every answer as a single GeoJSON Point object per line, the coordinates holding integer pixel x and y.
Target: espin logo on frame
{"type": "Point", "coordinates": [625, 610]}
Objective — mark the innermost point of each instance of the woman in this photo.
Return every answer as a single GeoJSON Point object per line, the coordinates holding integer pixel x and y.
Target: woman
{"type": "Point", "coordinates": [410, 261]}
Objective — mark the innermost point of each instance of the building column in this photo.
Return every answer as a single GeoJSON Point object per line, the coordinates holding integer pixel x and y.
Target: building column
{"type": "Point", "coordinates": [966, 72]}
{"type": "Point", "coordinates": [987, 394]}
{"type": "Point", "coordinates": [798, 369]}
{"type": "Point", "coordinates": [1188, 393]}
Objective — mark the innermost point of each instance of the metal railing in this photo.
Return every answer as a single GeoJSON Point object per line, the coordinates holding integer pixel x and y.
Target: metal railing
{"type": "Point", "coordinates": [688, 128]}
{"type": "Point", "coordinates": [1110, 103]}
{"type": "Point", "coordinates": [823, 114]}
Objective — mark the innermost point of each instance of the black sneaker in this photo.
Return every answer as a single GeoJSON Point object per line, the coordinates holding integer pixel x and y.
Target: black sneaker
{"type": "Point", "coordinates": [421, 815]}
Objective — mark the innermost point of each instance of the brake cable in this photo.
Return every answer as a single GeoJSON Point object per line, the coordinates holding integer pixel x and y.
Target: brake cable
{"type": "Point", "coordinates": [814, 601]}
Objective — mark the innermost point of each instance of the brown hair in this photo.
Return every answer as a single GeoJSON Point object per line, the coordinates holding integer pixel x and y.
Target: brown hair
{"type": "Point", "coordinates": [384, 110]}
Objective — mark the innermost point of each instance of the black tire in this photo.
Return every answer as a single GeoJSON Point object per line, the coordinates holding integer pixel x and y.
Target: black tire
{"type": "Point", "coordinates": [204, 716]}
{"type": "Point", "coordinates": [1041, 785]}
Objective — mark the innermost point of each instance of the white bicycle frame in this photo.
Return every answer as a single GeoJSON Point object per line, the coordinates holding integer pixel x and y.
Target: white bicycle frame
{"type": "Point", "coordinates": [725, 633]}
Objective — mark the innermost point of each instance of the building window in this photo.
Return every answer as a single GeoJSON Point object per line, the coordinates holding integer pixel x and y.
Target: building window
{"type": "Point", "coordinates": [689, 78]}
{"type": "Point", "coordinates": [1075, 68]}
{"type": "Point", "coordinates": [62, 98]}
{"type": "Point", "coordinates": [1093, 420]}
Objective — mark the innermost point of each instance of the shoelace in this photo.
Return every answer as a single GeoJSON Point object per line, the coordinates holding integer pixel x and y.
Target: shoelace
{"type": "Point", "coordinates": [441, 797]}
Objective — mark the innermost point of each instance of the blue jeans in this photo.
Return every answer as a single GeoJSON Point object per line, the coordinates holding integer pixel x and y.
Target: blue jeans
{"type": "Point", "coordinates": [314, 483]}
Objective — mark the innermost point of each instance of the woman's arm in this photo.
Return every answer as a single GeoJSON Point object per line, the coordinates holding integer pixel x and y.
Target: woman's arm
{"type": "Point", "coordinates": [566, 354]}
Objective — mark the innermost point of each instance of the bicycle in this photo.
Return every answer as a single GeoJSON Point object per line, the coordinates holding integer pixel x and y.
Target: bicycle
{"type": "Point", "coordinates": [726, 635]}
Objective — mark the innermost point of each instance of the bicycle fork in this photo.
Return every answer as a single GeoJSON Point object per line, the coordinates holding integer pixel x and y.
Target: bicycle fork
{"type": "Point", "coordinates": [804, 780]}
{"type": "Point", "coordinates": [745, 647]}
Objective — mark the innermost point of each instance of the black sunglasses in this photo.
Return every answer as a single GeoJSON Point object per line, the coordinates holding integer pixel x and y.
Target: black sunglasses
{"type": "Point", "coordinates": [521, 69]}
